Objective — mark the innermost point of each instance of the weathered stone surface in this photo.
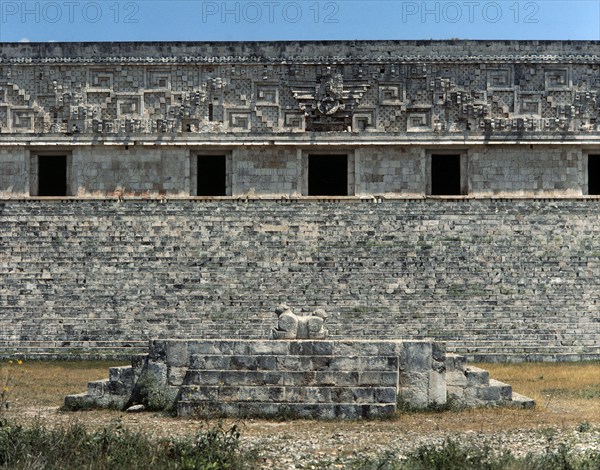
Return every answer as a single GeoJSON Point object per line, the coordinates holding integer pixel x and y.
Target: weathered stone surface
{"type": "Point", "coordinates": [292, 326]}
{"type": "Point", "coordinates": [500, 279]}
{"type": "Point", "coordinates": [72, 401]}
{"type": "Point", "coordinates": [98, 388]}
{"type": "Point", "coordinates": [496, 279]}
{"type": "Point", "coordinates": [136, 409]}
{"type": "Point", "coordinates": [268, 383]}
{"type": "Point", "coordinates": [481, 88]}
{"type": "Point", "coordinates": [472, 386]}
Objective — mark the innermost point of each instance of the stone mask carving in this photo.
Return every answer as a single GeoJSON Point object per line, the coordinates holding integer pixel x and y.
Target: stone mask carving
{"type": "Point", "coordinates": [292, 326]}
{"type": "Point", "coordinates": [331, 92]}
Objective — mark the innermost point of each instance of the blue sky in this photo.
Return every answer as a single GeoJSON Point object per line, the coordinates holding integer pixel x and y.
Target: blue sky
{"type": "Point", "coordinates": [223, 20]}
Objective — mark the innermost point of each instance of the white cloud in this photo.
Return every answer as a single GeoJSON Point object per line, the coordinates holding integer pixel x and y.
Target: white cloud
{"type": "Point", "coordinates": [24, 40]}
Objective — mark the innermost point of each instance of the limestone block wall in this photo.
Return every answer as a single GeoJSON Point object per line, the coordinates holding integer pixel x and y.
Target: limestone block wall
{"type": "Point", "coordinates": [390, 171]}
{"type": "Point", "coordinates": [266, 171]}
{"type": "Point", "coordinates": [326, 379]}
{"type": "Point", "coordinates": [130, 170]}
{"type": "Point", "coordinates": [516, 171]}
{"type": "Point", "coordinates": [14, 172]}
{"type": "Point", "coordinates": [393, 171]}
{"type": "Point", "coordinates": [501, 279]}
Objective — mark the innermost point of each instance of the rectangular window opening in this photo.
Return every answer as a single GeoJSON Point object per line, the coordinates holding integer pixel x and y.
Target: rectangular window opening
{"type": "Point", "coordinates": [445, 175]}
{"type": "Point", "coordinates": [52, 175]}
{"type": "Point", "coordinates": [212, 175]}
{"type": "Point", "coordinates": [594, 175]}
{"type": "Point", "coordinates": [327, 175]}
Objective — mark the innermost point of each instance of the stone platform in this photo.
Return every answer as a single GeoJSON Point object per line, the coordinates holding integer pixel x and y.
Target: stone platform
{"type": "Point", "coordinates": [305, 378]}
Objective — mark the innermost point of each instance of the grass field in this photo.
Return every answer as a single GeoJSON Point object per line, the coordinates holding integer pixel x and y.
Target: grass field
{"type": "Point", "coordinates": [567, 395]}
{"type": "Point", "coordinates": [45, 383]}
{"type": "Point", "coordinates": [548, 382]}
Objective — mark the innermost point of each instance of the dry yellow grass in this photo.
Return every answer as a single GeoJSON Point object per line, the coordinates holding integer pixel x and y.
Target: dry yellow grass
{"type": "Point", "coordinates": [567, 394]}
{"type": "Point", "coordinates": [546, 382]}
{"type": "Point", "coordinates": [45, 383]}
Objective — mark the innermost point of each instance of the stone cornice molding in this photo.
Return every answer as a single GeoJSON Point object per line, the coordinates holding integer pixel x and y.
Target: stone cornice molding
{"type": "Point", "coordinates": [302, 52]}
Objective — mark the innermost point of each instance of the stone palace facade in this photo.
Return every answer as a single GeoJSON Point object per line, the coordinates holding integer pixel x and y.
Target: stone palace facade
{"type": "Point", "coordinates": [417, 189]}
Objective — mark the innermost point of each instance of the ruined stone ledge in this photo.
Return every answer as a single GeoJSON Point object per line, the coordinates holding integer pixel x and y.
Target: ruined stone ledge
{"type": "Point", "coordinates": [282, 410]}
{"type": "Point", "coordinates": [308, 140]}
{"type": "Point", "coordinates": [376, 259]}
{"type": "Point", "coordinates": [302, 52]}
{"type": "Point", "coordinates": [324, 379]}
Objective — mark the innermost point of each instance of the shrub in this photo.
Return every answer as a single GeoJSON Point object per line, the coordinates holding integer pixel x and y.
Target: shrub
{"type": "Point", "coordinates": [452, 404]}
{"type": "Point", "coordinates": [154, 394]}
{"type": "Point", "coordinates": [10, 374]}
{"type": "Point", "coordinates": [584, 426]}
{"type": "Point", "coordinates": [452, 456]}
{"type": "Point", "coordinates": [74, 447]}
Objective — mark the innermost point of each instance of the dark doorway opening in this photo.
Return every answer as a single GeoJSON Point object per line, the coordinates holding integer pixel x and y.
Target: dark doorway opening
{"type": "Point", "coordinates": [52, 175]}
{"type": "Point", "coordinates": [445, 175]}
{"type": "Point", "coordinates": [327, 175]}
{"type": "Point", "coordinates": [594, 175]}
{"type": "Point", "coordinates": [212, 175]}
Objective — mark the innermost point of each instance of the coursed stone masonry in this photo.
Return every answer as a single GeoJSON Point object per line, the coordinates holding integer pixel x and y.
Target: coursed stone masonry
{"type": "Point", "coordinates": [304, 378]}
{"type": "Point", "coordinates": [508, 270]}
{"type": "Point", "coordinates": [132, 117]}
{"type": "Point", "coordinates": [479, 87]}
{"type": "Point", "coordinates": [495, 279]}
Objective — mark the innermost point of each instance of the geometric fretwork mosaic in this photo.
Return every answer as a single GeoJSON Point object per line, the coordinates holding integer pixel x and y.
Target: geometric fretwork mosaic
{"type": "Point", "coordinates": [379, 94]}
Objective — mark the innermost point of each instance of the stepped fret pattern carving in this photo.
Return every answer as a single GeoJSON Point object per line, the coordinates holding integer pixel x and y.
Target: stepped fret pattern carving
{"type": "Point", "coordinates": [400, 93]}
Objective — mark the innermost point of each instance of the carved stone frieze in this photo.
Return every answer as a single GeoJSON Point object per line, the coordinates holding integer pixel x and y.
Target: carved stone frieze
{"type": "Point", "coordinates": [386, 87]}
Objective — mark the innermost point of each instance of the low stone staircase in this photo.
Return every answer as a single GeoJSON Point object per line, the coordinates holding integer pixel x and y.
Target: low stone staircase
{"type": "Point", "coordinates": [302, 385]}
{"type": "Point", "coordinates": [117, 392]}
{"type": "Point", "coordinates": [318, 379]}
{"type": "Point", "coordinates": [471, 386]}
{"type": "Point", "coordinates": [70, 350]}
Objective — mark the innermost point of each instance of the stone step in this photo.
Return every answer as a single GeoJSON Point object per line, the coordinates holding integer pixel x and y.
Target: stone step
{"type": "Point", "coordinates": [314, 378]}
{"type": "Point", "coordinates": [562, 355]}
{"type": "Point", "coordinates": [476, 376]}
{"type": "Point", "coordinates": [98, 388]}
{"type": "Point", "coordinates": [290, 394]}
{"type": "Point", "coordinates": [506, 390]}
{"type": "Point", "coordinates": [17, 345]}
{"type": "Point", "coordinates": [455, 362]}
{"type": "Point", "coordinates": [293, 363]}
{"type": "Point", "coordinates": [256, 347]}
{"type": "Point", "coordinates": [80, 401]}
{"type": "Point", "coordinates": [80, 353]}
{"type": "Point", "coordinates": [85, 401]}
{"type": "Point", "coordinates": [521, 401]}
{"type": "Point", "coordinates": [474, 387]}
{"type": "Point", "coordinates": [290, 410]}
{"type": "Point", "coordinates": [495, 392]}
